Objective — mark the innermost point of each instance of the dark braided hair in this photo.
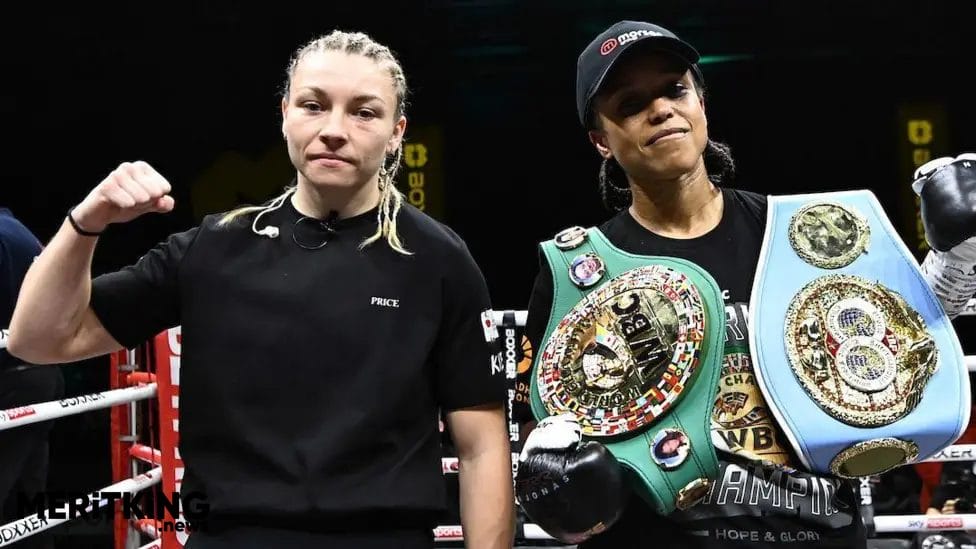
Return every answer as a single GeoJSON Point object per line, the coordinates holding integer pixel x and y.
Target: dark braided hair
{"type": "Point", "coordinates": [615, 189]}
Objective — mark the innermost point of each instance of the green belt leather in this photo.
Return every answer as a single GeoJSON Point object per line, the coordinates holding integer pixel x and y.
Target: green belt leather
{"type": "Point", "coordinates": [680, 481]}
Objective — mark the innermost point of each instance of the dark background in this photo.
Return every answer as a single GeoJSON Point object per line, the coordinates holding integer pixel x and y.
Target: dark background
{"type": "Point", "coordinates": [809, 101]}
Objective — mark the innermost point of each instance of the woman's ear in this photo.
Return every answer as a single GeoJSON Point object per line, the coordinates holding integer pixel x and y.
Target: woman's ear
{"type": "Point", "coordinates": [284, 114]}
{"type": "Point", "coordinates": [399, 129]}
{"type": "Point", "coordinates": [599, 140]}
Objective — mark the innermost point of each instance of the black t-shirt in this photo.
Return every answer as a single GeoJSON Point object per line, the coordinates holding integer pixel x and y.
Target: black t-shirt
{"type": "Point", "coordinates": [311, 380]}
{"type": "Point", "coordinates": [752, 504]}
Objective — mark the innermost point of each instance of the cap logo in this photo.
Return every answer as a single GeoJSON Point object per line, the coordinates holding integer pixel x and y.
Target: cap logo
{"type": "Point", "coordinates": [636, 34]}
{"type": "Point", "coordinates": [608, 46]}
{"type": "Point", "coordinates": [611, 43]}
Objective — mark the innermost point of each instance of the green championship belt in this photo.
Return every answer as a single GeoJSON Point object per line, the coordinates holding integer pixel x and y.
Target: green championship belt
{"type": "Point", "coordinates": [633, 348]}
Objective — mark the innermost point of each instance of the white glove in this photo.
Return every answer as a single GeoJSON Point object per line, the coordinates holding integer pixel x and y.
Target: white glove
{"type": "Point", "coordinates": [557, 433]}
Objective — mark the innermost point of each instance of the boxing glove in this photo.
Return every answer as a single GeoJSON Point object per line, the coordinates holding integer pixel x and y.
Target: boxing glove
{"type": "Point", "coordinates": [572, 489]}
{"type": "Point", "coordinates": [947, 188]}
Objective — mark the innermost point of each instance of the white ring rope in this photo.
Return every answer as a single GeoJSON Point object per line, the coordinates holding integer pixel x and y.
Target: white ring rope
{"type": "Point", "coordinates": [34, 413]}
{"type": "Point", "coordinates": [520, 317]}
{"type": "Point", "coordinates": [147, 526]}
{"type": "Point", "coordinates": [956, 452]}
{"type": "Point", "coordinates": [924, 523]}
{"type": "Point", "coordinates": [455, 533]}
{"type": "Point", "coordinates": [33, 524]}
{"type": "Point", "coordinates": [882, 524]}
{"type": "Point", "coordinates": [452, 465]}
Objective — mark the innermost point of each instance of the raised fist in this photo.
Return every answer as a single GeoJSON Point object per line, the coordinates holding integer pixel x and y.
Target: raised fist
{"type": "Point", "coordinates": [132, 189]}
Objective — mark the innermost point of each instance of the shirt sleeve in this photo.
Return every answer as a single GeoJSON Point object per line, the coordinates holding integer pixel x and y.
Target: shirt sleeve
{"type": "Point", "coordinates": [18, 249]}
{"type": "Point", "coordinates": [469, 369]}
{"type": "Point", "coordinates": [141, 300]}
{"type": "Point", "coordinates": [540, 306]}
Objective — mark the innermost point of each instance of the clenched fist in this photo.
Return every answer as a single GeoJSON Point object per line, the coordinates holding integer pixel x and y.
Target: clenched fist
{"type": "Point", "coordinates": [132, 189]}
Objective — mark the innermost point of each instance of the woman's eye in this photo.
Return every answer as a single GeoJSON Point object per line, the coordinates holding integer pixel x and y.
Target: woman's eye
{"type": "Point", "coordinates": [677, 90]}
{"type": "Point", "coordinates": [629, 107]}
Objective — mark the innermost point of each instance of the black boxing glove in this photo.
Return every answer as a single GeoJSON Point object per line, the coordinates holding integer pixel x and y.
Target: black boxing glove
{"type": "Point", "coordinates": [947, 188]}
{"type": "Point", "coordinates": [572, 489]}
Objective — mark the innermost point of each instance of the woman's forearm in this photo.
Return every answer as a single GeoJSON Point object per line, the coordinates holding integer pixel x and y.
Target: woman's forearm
{"type": "Point", "coordinates": [54, 297]}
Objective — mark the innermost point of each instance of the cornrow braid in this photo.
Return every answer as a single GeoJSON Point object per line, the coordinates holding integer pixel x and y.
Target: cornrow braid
{"type": "Point", "coordinates": [355, 43]}
{"type": "Point", "coordinates": [614, 187]}
{"type": "Point", "coordinates": [390, 202]}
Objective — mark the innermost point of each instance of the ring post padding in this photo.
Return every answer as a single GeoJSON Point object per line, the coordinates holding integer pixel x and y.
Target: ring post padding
{"type": "Point", "coordinates": [167, 348]}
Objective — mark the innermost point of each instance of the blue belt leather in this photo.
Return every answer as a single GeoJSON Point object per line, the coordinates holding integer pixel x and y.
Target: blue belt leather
{"type": "Point", "coordinates": [857, 360]}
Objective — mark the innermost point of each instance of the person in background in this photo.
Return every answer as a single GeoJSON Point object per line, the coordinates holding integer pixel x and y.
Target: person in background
{"type": "Point", "coordinates": [25, 450]}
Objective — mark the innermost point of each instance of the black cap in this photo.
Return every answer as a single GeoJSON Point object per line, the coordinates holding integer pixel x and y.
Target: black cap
{"type": "Point", "coordinates": [599, 56]}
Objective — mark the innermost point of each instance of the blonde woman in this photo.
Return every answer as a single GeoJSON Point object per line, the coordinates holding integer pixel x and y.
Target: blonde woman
{"type": "Point", "coordinates": [322, 332]}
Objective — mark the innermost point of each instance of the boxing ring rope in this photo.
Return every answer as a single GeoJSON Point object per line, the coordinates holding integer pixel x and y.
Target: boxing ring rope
{"type": "Point", "coordinates": [923, 523]}
{"type": "Point", "coordinates": [33, 524]}
{"type": "Point", "coordinates": [44, 411]}
{"type": "Point", "coordinates": [167, 465]}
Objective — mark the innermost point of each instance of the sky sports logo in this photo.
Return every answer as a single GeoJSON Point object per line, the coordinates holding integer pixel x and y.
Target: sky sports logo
{"type": "Point", "coordinates": [174, 512]}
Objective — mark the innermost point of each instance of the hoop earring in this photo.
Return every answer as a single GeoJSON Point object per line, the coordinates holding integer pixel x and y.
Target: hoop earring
{"type": "Point", "coordinates": [605, 169]}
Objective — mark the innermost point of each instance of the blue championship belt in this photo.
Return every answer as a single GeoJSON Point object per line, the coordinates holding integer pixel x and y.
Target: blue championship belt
{"type": "Point", "coordinates": [853, 351]}
{"type": "Point", "coordinates": [633, 348]}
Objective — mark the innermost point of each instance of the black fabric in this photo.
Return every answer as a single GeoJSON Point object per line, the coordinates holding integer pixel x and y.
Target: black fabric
{"type": "Point", "coordinates": [750, 505]}
{"type": "Point", "coordinates": [311, 379]}
{"type": "Point", "coordinates": [25, 450]}
{"type": "Point", "coordinates": [250, 537]}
